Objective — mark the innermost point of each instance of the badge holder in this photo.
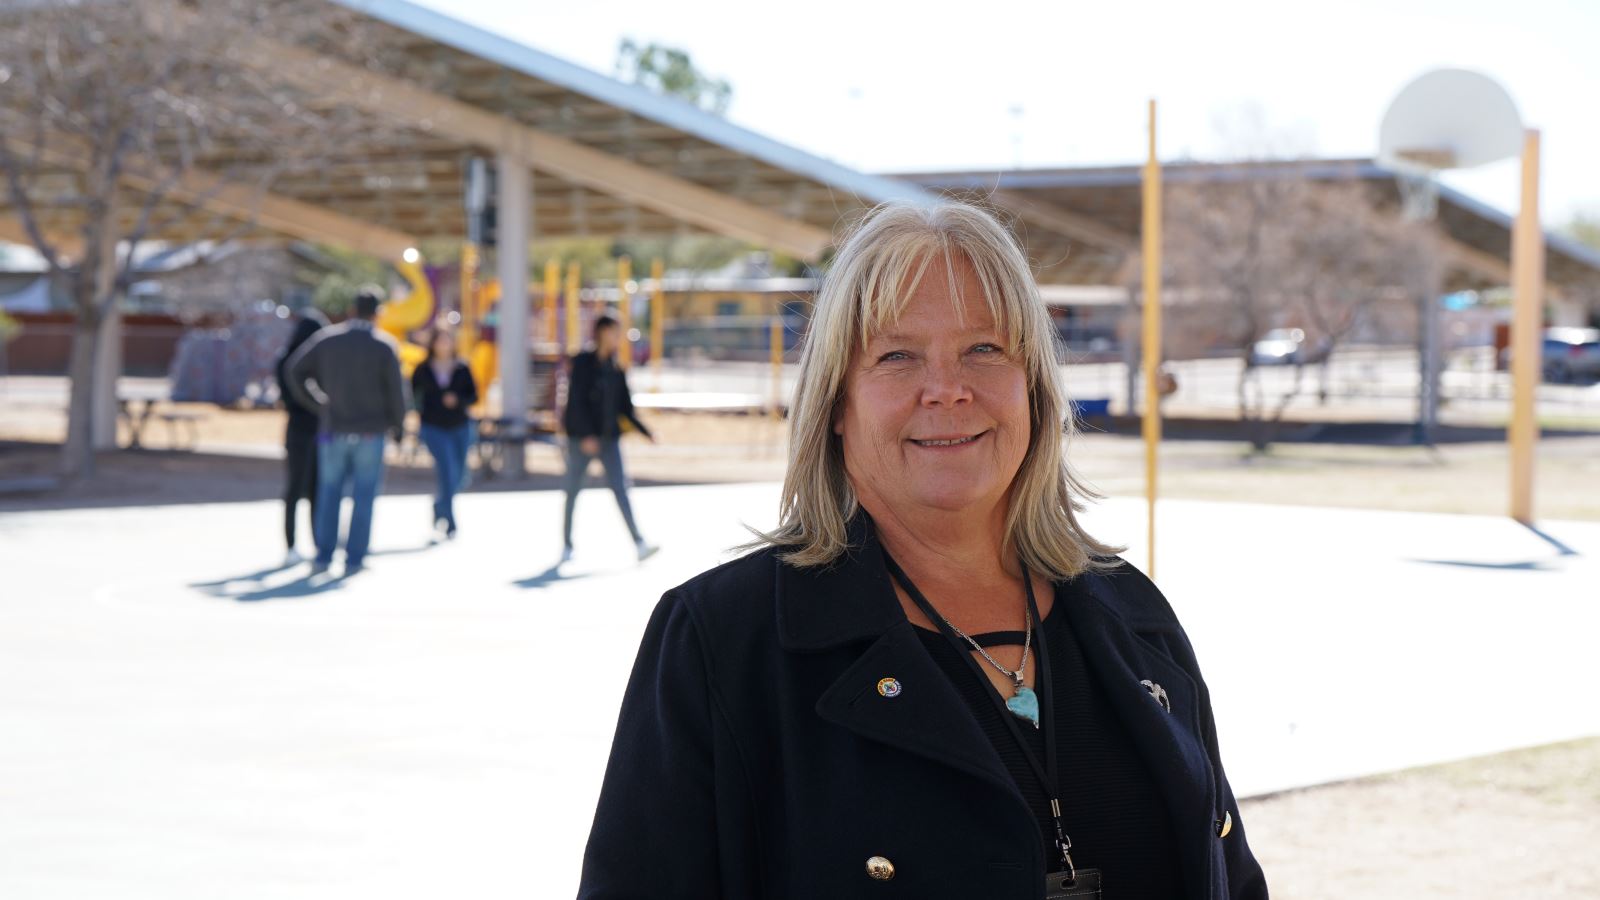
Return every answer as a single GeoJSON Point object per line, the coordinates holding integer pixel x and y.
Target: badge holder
{"type": "Point", "coordinates": [1080, 884]}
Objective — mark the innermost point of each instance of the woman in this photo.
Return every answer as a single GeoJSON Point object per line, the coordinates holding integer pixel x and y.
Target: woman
{"type": "Point", "coordinates": [930, 676]}
{"type": "Point", "coordinates": [299, 438]}
{"type": "Point", "coordinates": [443, 390]}
{"type": "Point", "coordinates": [598, 402]}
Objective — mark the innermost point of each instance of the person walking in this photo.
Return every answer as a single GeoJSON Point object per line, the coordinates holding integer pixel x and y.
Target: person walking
{"type": "Point", "coordinates": [349, 373]}
{"type": "Point", "coordinates": [299, 438]}
{"type": "Point", "coordinates": [598, 401]}
{"type": "Point", "coordinates": [443, 389]}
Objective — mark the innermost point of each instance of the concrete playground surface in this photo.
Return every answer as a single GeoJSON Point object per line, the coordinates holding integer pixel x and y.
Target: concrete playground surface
{"type": "Point", "coordinates": [184, 719]}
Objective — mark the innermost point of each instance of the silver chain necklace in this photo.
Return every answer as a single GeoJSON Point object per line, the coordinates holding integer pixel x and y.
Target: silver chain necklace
{"type": "Point", "coordinates": [1027, 646]}
{"type": "Point", "coordinates": [1023, 702]}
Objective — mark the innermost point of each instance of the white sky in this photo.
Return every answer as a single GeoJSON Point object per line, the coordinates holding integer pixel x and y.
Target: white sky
{"type": "Point", "coordinates": [887, 85]}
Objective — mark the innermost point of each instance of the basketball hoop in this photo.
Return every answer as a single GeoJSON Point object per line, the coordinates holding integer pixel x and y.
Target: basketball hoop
{"type": "Point", "coordinates": [1419, 192]}
{"type": "Point", "coordinates": [1445, 119]}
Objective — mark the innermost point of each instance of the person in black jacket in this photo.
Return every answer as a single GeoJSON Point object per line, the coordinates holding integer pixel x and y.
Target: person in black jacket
{"type": "Point", "coordinates": [443, 391]}
{"type": "Point", "coordinates": [350, 374]}
{"type": "Point", "coordinates": [598, 402]}
{"type": "Point", "coordinates": [300, 437]}
{"type": "Point", "coordinates": [928, 680]}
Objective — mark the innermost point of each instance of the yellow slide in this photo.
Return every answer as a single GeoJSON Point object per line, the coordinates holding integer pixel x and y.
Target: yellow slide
{"type": "Point", "coordinates": [401, 317]}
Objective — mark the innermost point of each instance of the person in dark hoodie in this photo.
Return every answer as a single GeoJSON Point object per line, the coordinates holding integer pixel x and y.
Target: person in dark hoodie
{"type": "Point", "coordinates": [598, 402]}
{"type": "Point", "coordinates": [443, 390]}
{"type": "Point", "coordinates": [350, 373]}
{"type": "Point", "coordinates": [299, 438]}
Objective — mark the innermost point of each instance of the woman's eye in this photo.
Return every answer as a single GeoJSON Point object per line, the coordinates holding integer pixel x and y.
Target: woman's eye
{"type": "Point", "coordinates": [987, 348]}
{"type": "Point", "coordinates": [893, 356]}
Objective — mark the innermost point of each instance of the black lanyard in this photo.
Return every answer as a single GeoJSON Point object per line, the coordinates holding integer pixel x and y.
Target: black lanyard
{"type": "Point", "coordinates": [1045, 770]}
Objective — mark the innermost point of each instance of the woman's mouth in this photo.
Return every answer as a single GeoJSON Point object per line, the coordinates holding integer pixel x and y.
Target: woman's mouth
{"type": "Point", "coordinates": [948, 441]}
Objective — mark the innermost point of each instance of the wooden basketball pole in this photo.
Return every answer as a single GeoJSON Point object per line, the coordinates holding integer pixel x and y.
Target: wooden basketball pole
{"type": "Point", "coordinates": [1527, 283]}
{"type": "Point", "coordinates": [1151, 248]}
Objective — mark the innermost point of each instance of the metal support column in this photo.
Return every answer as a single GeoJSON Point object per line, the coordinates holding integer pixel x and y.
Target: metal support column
{"type": "Point", "coordinates": [511, 264]}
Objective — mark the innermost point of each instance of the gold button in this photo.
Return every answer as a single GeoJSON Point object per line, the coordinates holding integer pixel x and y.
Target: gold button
{"type": "Point", "coordinates": [1224, 824]}
{"type": "Point", "coordinates": [880, 869]}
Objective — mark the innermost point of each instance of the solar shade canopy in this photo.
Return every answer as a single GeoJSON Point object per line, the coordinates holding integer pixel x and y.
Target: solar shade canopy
{"type": "Point", "coordinates": [613, 159]}
{"type": "Point", "coordinates": [1081, 226]}
{"type": "Point", "coordinates": [607, 158]}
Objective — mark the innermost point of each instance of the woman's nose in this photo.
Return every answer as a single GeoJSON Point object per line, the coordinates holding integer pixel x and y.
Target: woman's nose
{"type": "Point", "coordinates": [944, 385]}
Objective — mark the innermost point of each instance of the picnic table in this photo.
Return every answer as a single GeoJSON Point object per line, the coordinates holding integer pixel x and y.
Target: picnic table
{"type": "Point", "coordinates": [138, 403]}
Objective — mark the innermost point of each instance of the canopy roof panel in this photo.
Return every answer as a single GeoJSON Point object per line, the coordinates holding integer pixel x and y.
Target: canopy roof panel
{"type": "Point", "coordinates": [608, 158]}
{"type": "Point", "coordinates": [1110, 197]}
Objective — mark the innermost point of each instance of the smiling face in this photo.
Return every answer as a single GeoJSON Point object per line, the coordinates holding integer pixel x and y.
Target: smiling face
{"type": "Point", "coordinates": [935, 415]}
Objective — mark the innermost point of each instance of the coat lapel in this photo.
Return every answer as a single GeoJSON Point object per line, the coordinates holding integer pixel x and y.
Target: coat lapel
{"type": "Point", "coordinates": [853, 602]}
{"type": "Point", "coordinates": [926, 716]}
{"type": "Point", "coordinates": [1171, 743]}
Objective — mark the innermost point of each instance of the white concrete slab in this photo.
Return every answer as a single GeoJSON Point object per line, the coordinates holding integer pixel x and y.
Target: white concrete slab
{"type": "Point", "coordinates": [178, 719]}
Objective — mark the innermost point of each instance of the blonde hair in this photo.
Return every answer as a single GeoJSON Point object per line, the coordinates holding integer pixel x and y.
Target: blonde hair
{"type": "Point", "coordinates": [876, 271]}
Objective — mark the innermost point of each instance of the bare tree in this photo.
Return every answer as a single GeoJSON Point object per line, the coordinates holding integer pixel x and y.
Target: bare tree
{"type": "Point", "coordinates": [120, 120]}
{"type": "Point", "coordinates": [1273, 248]}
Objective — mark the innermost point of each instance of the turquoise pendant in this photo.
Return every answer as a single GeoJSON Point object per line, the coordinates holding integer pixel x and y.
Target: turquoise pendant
{"type": "Point", "coordinates": [1024, 704]}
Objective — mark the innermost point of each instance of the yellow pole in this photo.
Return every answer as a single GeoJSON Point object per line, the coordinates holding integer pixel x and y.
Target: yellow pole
{"type": "Point", "coordinates": [776, 338]}
{"type": "Point", "coordinates": [467, 334]}
{"type": "Point", "coordinates": [658, 313]}
{"type": "Point", "coordinates": [1527, 284]}
{"type": "Point", "coordinates": [574, 336]}
{"type": "Point", "coordinates": [624, 310]}
{"type": "Point", "coordinates": [1151, 232]}
{"type": "Point", "coordinates": [552, 288]}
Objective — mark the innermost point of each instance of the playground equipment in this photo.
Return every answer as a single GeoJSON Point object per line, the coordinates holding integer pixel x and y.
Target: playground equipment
{"type": "Point", "coordinates": [399, 318]}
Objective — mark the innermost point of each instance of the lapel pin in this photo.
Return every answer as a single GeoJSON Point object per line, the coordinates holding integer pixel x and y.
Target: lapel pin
{"type": "Point", "coordinates": [889, 687]}
{"type": "Point", "coordinates": [1159, 693]}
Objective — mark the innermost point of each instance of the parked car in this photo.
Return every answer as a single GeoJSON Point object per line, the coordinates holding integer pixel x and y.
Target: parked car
{"type": "Point", "coordinates": [1570, 355]}
{"type": "Point", "coordinates": [1278, 347]}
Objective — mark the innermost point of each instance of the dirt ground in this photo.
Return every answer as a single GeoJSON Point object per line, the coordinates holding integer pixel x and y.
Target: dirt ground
{"type": "Point", "coordinates": [238, 452]}
{"type": "Point", "coordinates": [1521, 824]}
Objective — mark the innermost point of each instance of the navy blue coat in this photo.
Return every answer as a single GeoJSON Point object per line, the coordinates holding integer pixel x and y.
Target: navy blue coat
{"type": "Point", "coordinates": [754, 756]}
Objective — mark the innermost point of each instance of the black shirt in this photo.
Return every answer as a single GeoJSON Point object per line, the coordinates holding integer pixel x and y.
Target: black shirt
{"type": "Point", "coordinates": [1111, 806]}
{"type": "Point", "coordinates": [303, 419]}
{"type": "Point", "coordinates": [598, 398]}
{"type": "Point", "coordinates": [428, 394]}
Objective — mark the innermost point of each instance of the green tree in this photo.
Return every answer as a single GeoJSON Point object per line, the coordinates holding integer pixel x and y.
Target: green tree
{"type": "Point", "coordinates": [1584, 228]}
{"type": "Point", "coordinates": [670, 71]}
{"type": "Point", "coordinates": [337, 289]}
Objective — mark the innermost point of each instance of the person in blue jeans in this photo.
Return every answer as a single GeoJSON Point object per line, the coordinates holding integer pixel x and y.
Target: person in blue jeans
{"type": "Point", "coordinates": [443, 390]}
{"type": "Point", "coordinates": [350, 374]}
{"type": "Point", "coordinates": [598, 402]}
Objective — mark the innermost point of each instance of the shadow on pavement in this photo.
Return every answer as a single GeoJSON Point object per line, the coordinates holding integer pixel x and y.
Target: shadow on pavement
{"type": "Point", "coordinates": [403, 551]}
{"type": "Point", "coordinates": [548, 577]}
{"type": "Point", "coordinates": [127, 478]}
{"type": "Point", "coordinates": [257, 575]}
{"type": "Point", "coordinates": [1552, 540]}
{"type": "Point", "coordinates": [1535, 565]}
{"type": "Point", "coordinates": [307, 585]}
